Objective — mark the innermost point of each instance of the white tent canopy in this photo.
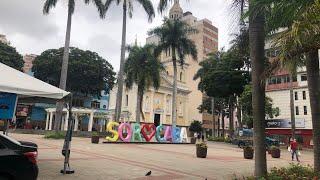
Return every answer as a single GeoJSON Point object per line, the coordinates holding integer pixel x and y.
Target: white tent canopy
{"type": "Point", "coordinates": [14, 81]}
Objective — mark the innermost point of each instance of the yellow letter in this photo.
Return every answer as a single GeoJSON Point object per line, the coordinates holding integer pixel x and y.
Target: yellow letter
{"type": "Point", "coordinates": [115, 134]}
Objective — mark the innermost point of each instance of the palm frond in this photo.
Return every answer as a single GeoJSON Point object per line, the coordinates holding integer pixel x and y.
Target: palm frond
{"type": "Point", "coordinates": [100, 7]}
{"type": "Point", "coordinates": [148, 8]}
{"type": "Point", "coordinates": [108, 3]}
{"type": "Point", "coordinates": [48, 5]}
{"type": "Point", "coordinates": [163, 4]}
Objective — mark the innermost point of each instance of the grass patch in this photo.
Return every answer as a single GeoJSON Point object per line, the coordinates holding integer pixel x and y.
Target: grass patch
{"type": "Point", "coordinates": [54, 135]}
{"type": "Point", "coordinates": [293, 172]}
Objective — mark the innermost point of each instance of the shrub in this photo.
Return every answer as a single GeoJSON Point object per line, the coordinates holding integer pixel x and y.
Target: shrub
{"type": "Point", "coordinates": [228, 140]}
{"type": "Point", "coordinates": [274, 148]}
{"type": "Point", "coordinates": [293, 172]}
{"type": "Point", "coordinates": [94, 133]}
{"type": "Point", "coordinates": [54, 135]}
{"type": "Point", "coordinates": [195, 126]}
{"type": "Point", "coordinates": [202, 145]}
{"type": "Point", "coordinates": [217, 139]}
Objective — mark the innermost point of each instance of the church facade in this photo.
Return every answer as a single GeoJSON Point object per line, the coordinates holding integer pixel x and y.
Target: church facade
{"type": "Point", "coordinates": [157, 103]}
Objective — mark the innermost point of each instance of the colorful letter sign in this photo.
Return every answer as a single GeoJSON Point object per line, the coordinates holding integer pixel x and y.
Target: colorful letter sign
{"type": "Point", "coordinates": [110, 129]}
{"type": "Point", "coordinates": [148, 131]}
{"type": "Point", "coordinates": [129, 132]}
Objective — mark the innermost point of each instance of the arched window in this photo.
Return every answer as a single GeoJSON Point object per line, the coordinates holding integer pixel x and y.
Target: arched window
{"type": "Point", "coordinates": [181, 78]}
{"type": "Point", "coordinates": [167, 72]}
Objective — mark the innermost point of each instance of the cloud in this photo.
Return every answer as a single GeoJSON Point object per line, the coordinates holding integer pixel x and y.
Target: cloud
{"type": "Point", "coordinates": [32, 32]}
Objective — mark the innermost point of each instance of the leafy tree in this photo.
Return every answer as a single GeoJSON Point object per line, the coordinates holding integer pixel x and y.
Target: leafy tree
{"type": "Point", "coordinates": [89, 73]}
{"type": "Point", "coordinates": [221, 76]}
{"type": "Point", "coordinates": [173, 35]}
{"type": "Point", "coordinates": [142, 68]}
{"type": "Point", "coordinates": [127, 7]}
{"type": "Point", "coordinates": [48, 5]}
{"type": "Point", "coordinates": [300, 35]}
{"type": "Point", "coordinates": [246, 102]}
{"type": "Point", "coordinates": [196, 126]}
{"type": "Point", "coordinates": [10, 57]}
{"type": "Point", "coordinates": [220, 107]}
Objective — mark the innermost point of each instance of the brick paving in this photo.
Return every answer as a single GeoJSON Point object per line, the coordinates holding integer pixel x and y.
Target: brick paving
{"type": "Point", "coordinates": [133, 161]}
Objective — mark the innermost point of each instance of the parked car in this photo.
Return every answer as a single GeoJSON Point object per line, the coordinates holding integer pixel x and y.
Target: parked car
{"type": "Point", "coordinates": [18, 159]}
{"type": "Point", "coordinates": [245, 138]}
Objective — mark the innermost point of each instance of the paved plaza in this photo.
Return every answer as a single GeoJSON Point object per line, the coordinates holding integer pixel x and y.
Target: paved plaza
{"type": "Point", "coordinates": [133, 161]}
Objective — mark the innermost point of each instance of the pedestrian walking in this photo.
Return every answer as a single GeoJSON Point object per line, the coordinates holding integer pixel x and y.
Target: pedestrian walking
{"type": "Point", "coordinates": [294, 149]}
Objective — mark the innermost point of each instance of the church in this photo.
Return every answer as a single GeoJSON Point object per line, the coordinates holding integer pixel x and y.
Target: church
{"type": "Point", "coordinates": [157, 103]}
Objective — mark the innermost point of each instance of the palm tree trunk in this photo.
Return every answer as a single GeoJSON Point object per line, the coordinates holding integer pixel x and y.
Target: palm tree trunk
{"type": "Point", "coordinates": [239, 115]}
{"type": "Point", "coordinates": [138, 106]}
{"type": "Point", "coordinates": [213, 118]}
{"type": "Point", "coordinates": [219, 124]}
{"type": "Point", "coordinates": [139, 111]}
{"type": "Point", "coordinates": [122, 59]}
{"type": "Point", "coordinates": [292, 116]}
{"type": "Point", "coordinates": [174, 91]}
{"type": "Point", "coordinates": [231, 121]}
{"type": "Point", "coordinates": [222, 124]}
{"type": "Point", "coordinates": [312, 63]}
{"type": "Point", "coordinates": [64, 73]}
{"type": "Point", "coordinates": [257, 44]}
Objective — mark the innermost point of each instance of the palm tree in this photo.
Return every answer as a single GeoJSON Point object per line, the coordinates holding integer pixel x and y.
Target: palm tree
{"type": "Point", "coordinates": [302, 36]}
{"type": "Point", "coordinates": [257, 44]}
{"type": "Point", "coordinates": [48, 5]}
{"type": "Point", "coordinates": [173, 35]}
{"type": "Point", "coordinates": [127, 6]}
{"type": "Point", "coordinates": [142, 68]}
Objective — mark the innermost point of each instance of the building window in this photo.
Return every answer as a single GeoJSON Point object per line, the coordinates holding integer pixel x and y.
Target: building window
{"type": "Point", "coordinates": [95, 105]}
{"type": "Point", "coordinates": [167, 72]}
{"type": "Point", "coordinates": [127, 100]}
{"type": "Point", "coordinates": [305, 111]}
{"type": "Point", "coordinates": [303, 77]}
{"type": "Point", "coordinates": [297, 110]}
{"type": "Point", "coordinates": [295, 95]}
{"type": "Point", "coordinates": [279, 80]}
{"type": "Point", "coordinates": [181, 76]}
{"type": "Point", "coordinates": [180, 109]}
{"type": "Point", "coordinates": [304, 95]}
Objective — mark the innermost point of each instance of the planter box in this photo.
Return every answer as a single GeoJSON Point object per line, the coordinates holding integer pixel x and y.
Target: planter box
{"type": "Point", "coordinates": [95, 139]}
{"type": "Point", "coordinates": [275, 153]}
{"type": "Point", "coordinates": [248, 153]}
{"type": "Point", "coordinates": [201, 152]}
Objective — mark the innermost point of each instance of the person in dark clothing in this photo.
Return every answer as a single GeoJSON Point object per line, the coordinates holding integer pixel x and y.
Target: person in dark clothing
{"type": "Point", "coordinates": [294, 149]}
{"type": "Point", "coordinates": [202, 137]}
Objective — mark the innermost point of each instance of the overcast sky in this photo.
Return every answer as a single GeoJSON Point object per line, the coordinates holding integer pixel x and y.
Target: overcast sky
{"type": "Point", "coordinates": [30, 31]}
